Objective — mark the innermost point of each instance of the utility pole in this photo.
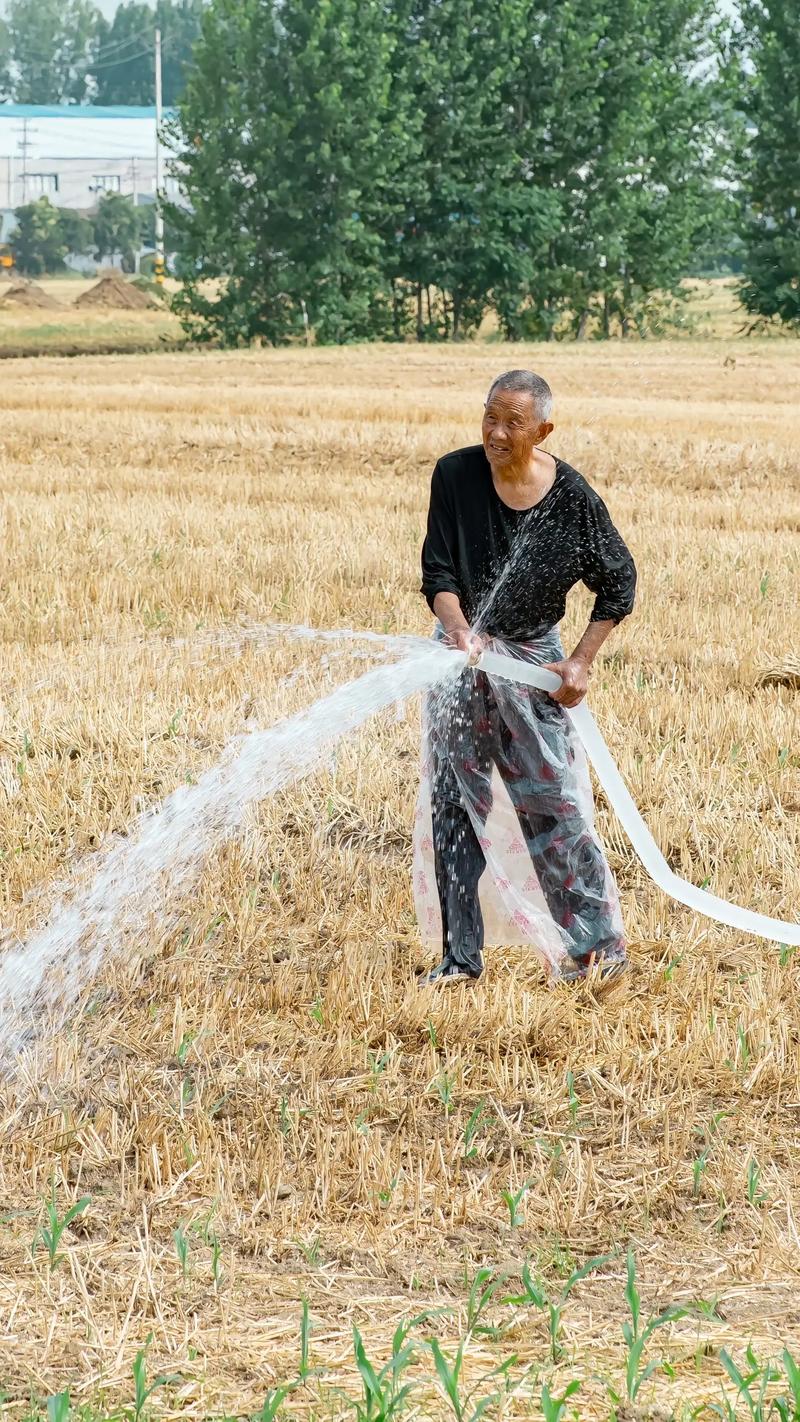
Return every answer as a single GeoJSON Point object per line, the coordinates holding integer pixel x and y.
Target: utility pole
{"type": "Point", "coordinates": [23, 145]}
{"type": "Point", "coordinates": [159, 256]}
{"type": "Point", "coordinates": [135, 201]}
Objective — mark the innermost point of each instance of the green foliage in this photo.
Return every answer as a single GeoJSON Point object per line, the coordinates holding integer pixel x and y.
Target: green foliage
{"type": "Point", "coordinates": [49, 1234]}
{"type": "Point", "coordinates": [554, 1409]}
{"type": "Point", "coordinates": [293, 103]}
{"type": "Point", "coordinates": [385, 1393]}
{"type": "Point", "coordinates": [770, 160]}
{"type": "Point", "coordinates": [465, 1406]}
{"type": "Point", "coordinates": [66, 51]}
{"type": "Point", "coordinates": [638, 1334]}
{"type": "Point", "coordinates": [117, 229]}
{"type": "Point", "coordinates": [362, 170]}
{"type": "Point", "coordinates": [143, 1390]}
{"type": "Point", "coordinates": [38, 241]}
{"type": "Point", "coordinates": [45, 234]}
{"type": "Point", "coordinates": [50, 46]}
{"type": "Point", "coordinates": [535, 1294]}
{"type": "Point", "coordinates": [58, 1407]}
{"type": "Point", "coordinates": [124, 69]}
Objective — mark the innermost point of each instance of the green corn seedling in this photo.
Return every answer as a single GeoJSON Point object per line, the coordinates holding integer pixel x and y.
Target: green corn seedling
{"type": "Point", "coordinates": [637, 1336]}
{"type": "Point", "coordinates": [698, 1170]}
{"type": "Point", "coordinates": [466, 1409]}
{"type": "Point", "coordinates": [377, 1066]}
{"type": "Point", "coordinates": [536, 1295]}
{"type": "Point", "coordinates": [554, 1409]}
{"type": "Point", "coordinates": [787, 1407]}
{"type": "Point", "coordinates": [50, 1233]}
{"type": "Point", "coordinates": [58, 1407]}
{"type": "Point", "coordinates": [444, 1090]}
{"type": "Point", "coordinates": [385, 1394]}
{"type": "Point", "coordinates": [216, 1260]}
{"type": "Point", "coordinates": [756, 1377]}
{"type": "Point", "coordinates": [513, 1201]}
{"type": "Point", "coordinates": [574, 1099]}
{"type": "Point", "coordinates": [185, 1047]}
{"type": "Point", "coordinates": [305, 1340]}
{"type": "Point", "coordinates": [142, 1390]}
{"type": "Point", "coordinates": [482, 1291]}
{"type": "Point", "coordinates": [182, 1249]}
{"type": "Point", "coordinates": [475, 1123]}
{"type": "Point", "coordinates": [755, 1196]}
{"type": "Point", "coordinates": [273, 1402]}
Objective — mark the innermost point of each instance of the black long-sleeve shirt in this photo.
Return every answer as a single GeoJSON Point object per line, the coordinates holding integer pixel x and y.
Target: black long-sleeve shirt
{"type": "Point", "coordinates": [512, 568]}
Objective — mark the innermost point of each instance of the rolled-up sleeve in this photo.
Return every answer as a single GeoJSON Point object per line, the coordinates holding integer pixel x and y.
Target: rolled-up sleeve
{"type": "Point", "coordinates": [609, 569]}
{"type": "Point", "coordinates": [439, 548]}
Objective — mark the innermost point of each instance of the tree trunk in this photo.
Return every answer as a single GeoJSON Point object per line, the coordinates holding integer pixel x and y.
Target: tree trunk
{"type": "Point", "coordinates": [583, 325]}
{"type": "Point", "coordinates": [420, 328]}
{"type": "Point", "coordinates": [606, 316]}
{"type": "Point", "coordinates": [428, 303]}
{"type": "Point", "coordinates": [395, 311]}
{"type": "Point", "coordinates": [445, 315]}
{"type": "Point", "coordinates": [456, 317]}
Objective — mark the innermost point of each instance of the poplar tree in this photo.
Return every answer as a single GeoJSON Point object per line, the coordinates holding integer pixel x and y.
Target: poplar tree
{"type": "Point", "coordinates": [771, 160]}
{"type": "Point", "coordinates": [477, 222]}
{"type": "Point", "coordinates": [292, 142]}
{"type": "Point", "coordinates": [619, 109]}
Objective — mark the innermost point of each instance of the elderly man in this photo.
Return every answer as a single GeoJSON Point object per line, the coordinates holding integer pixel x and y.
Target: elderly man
{"type": "Point", "coordinates": [511, 529]}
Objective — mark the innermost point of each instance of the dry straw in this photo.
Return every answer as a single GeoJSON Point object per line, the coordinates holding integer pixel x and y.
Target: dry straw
{"type": "Point", "coordinates": [265, 1109]}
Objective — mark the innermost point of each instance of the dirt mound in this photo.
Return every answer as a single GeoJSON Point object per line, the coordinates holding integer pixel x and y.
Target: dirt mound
{"type": "Point", "coordinates": [117, 294]}
{"type": "Point", "coordinates": [32, 296]}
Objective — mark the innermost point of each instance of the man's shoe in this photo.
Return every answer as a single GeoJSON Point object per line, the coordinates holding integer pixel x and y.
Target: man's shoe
{"type": "Point", "coordinates": [601, 971]}
{"type": "Point", "coordinates": [446, 972]}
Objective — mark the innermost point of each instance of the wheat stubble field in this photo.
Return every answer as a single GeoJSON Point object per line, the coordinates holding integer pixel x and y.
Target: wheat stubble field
{"type": "Point", "coordinates": [259, 1105]}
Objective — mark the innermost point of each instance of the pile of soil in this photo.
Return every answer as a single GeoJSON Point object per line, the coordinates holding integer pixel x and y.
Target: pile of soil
{"type": "Point", "coordinates": [32, 296]}
{"type": "Point", "coordinates": [116, 294]}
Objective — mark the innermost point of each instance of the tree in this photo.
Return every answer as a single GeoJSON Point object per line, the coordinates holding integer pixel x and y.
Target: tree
{"type": "Point", "coordinates": [117, 229]}
{"type": "Point", "coordinates": [124, 68]}
{"type": "Point", "coordinates": [475, 222]}
{"type": "Point", "coordinates": [45, 234]}
{"type": "Point", "coordinates": [180, 22]}
{"type": "Point", "coordinates": [618, 109]}
{"type": "Point", "coordinates": [50, 49]}
{"type": "Point", "coordinates": [771, 161]}
{"type": "Point", "coordinates": [293, 144]}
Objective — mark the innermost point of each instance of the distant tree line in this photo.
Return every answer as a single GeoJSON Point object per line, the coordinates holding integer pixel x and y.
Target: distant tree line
{"type": "Point", "coordinates": [386, 169]}
{"type": "Point", "coordinates": [67, 52]}
{"type": "Point", "coordinates": [45, 235]}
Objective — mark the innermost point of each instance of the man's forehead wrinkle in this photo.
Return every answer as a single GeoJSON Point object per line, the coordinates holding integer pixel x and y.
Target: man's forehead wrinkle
{"type": "Point", "coordinates": [516, 399]}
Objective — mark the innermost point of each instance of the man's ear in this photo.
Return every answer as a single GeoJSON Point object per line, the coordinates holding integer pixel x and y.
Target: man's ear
{"type": "Point", "coordinates": [545, 429]}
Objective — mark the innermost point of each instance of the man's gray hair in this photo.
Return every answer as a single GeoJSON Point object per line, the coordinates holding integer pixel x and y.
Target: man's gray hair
{"type": "Point", "coordinates": [531, 384]}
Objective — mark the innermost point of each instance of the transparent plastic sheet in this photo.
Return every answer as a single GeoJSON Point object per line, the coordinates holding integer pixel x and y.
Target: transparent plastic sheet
{"type": "Point", "coordinates": [505, 819]}
{"type": "Point", "coordinates": [509, 904]}
{"type": "Point", "coordinates": [619, 797]}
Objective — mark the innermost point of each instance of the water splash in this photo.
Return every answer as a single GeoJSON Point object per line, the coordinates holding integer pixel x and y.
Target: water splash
{"type": "Point", "coordinates": [125, 910]}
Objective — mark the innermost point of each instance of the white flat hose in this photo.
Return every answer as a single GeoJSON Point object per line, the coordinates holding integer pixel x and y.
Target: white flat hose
{"type": "Point", "coordinates": [618, 795]}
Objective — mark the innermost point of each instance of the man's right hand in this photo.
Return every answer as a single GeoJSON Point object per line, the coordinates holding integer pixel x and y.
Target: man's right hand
{"type": "Point", "coordinates": [465, 640]}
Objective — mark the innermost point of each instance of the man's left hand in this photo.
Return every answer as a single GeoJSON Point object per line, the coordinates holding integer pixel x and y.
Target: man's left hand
{"type": "Point", "coordinates": [574, 673]}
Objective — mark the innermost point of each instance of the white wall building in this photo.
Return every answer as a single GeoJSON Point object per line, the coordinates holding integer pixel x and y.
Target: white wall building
{"type": "Point", "coordinates": [75, 153]}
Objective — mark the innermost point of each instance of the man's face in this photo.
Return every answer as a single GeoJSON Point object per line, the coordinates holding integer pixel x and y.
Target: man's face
{"type": "Point", "coordinates": [511, 430]}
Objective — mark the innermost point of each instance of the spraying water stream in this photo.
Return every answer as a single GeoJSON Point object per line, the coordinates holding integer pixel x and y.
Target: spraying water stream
{"type": "Point", "coordinates": [143, 874]}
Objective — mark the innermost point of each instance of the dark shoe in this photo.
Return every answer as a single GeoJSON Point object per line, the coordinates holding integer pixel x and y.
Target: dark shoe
{"type": "Point", "coordinates": [446, 972]}
{"type": "Point", "coordinates": [601, 970]}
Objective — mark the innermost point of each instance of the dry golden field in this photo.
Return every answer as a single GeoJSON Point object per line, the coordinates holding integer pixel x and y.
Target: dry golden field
{"type": "Point", "coordinates": [263, 1108]}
